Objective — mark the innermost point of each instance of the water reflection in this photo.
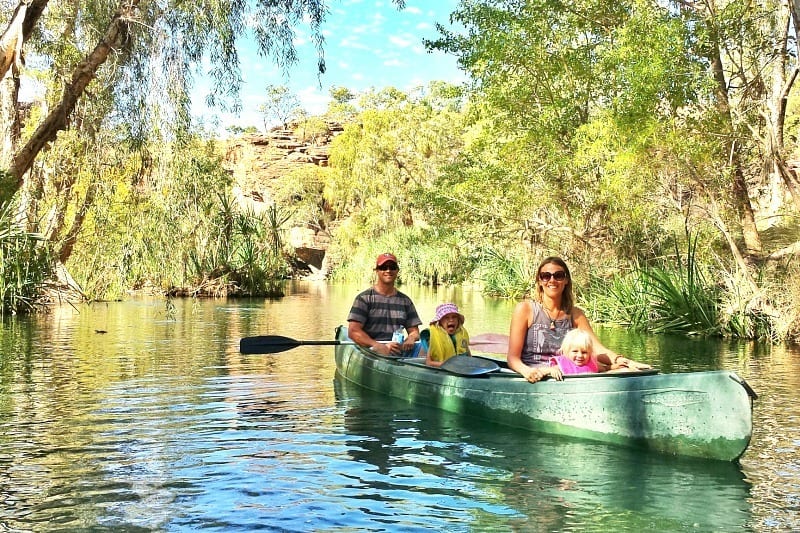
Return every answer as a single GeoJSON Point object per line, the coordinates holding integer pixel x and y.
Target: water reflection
{"type": "Point", "coordinates": [517, 479]}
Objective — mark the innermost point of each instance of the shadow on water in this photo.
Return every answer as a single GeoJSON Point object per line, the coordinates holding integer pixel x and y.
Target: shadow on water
{"type": "Point", "coordinates": [523, 480]}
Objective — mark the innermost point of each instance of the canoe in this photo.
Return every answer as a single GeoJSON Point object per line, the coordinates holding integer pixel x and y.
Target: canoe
{"type": "Point", "coordinates": [698, 414]}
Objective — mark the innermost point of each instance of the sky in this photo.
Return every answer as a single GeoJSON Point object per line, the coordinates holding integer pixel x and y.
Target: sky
{"type": "Point", "coordinates": [368, 44]}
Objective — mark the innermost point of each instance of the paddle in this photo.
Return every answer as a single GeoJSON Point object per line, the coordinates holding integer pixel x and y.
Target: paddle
{"type": "Point", "coordinates": [465, 365]}
{"type": "Point", "coordinates": [278, 343]}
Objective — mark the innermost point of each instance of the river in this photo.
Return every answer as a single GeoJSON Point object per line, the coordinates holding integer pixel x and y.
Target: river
{"type": "Point", "coordinates": [143, 416]}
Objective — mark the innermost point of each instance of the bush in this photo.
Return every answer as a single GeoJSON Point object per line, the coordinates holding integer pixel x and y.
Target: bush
{"type": "Point", "coordinates": [25, 266]}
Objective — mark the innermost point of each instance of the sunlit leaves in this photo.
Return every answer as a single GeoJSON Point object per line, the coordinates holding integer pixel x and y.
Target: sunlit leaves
{"type": "Point", "coordinates": [390, 154]}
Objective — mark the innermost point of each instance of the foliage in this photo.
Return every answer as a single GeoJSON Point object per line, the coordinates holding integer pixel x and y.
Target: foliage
{"type": "Point", "coordinates": [383, 164]}
{"type": "Point", "coordinates": [612, 135]}
{"type": "Point", "coordinates": [279, 106]}
{"type": "Point", "coordinates": [659, 300]}
{"type": "Point", "coordinates": [505, 275]}
{"type": "Point", "coordinates": [26, 264]}
{"type": "Point", "coordinates": [178, 231]}
{"type": "Point", "coordinates": [310, 129]}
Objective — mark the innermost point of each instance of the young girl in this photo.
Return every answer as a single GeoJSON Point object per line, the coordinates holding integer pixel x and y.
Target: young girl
{"type": "Point", "coordinates": [447, 336]}
{"type": "Point", "coordinates": [576, 354]}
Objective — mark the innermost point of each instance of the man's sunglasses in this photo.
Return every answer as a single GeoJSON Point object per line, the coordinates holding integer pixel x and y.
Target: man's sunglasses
{"type": "Point", "coordinates": [558, 276]}
{"type": "Point", "coordinates": [388, 266]}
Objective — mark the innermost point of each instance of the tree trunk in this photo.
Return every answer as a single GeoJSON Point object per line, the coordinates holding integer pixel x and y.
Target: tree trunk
{"type": "Point", "coordinates": [741, 197]}
{"type": "Point", "coordinates": [85, 71]}
{"type": "Point", "coordinates": [17, 32]}
{"type": "Point", "coordinates": [11, 41]}
{"type": "Point", "coordinates": [71, 237]}
{"type": "Point", "coordinates": [778, 149]}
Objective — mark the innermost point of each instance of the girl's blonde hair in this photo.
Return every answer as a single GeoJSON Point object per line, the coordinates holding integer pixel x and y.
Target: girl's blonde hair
{"type": "Point", "coordinates": [576, 338]}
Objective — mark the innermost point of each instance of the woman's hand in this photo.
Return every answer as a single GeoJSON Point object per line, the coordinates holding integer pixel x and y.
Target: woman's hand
{"type": "Point", "coordinates": [623, 362]}
{"type": "Point", "coordinates": [539, 373]}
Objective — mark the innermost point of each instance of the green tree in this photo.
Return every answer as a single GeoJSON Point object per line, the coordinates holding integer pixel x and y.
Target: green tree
{"type": "Point", "coordinates": [280, 105]}
{"type": "Point", "coordinates": [148, 51]}
{"type": "Point", "coordinates": [613, 107]}
{"type": "Point", "coordinates": [386, 160]}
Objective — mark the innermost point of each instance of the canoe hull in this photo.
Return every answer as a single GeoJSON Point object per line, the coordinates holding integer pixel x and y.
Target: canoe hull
{"type": "Point", "coordinates": [699, 414]}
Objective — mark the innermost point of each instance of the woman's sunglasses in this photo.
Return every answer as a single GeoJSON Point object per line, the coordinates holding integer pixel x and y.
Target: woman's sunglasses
{"type": "Point", "coordinates": [388, 266]}
{"type": "Point", "coordinates": [558, 276]}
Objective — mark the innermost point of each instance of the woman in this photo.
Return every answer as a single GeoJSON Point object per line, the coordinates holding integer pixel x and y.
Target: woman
{"type": "Point", "coordinates": [538, 326]}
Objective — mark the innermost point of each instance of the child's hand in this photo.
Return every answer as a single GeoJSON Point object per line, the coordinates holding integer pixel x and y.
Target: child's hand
{"type": "Point", "coordinates": [556, 373]}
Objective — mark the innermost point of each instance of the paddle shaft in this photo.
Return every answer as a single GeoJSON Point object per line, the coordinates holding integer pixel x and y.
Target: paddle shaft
{"type": "Point", "coordinates": [264, 344]}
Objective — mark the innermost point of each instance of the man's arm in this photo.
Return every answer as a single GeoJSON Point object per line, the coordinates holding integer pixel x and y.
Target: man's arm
{"type": "Point", "coordinates": [355, 330]}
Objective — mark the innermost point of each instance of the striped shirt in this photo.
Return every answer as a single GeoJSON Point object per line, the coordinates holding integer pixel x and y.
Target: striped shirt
{"type": "Point", "coordinates": [382, 315]}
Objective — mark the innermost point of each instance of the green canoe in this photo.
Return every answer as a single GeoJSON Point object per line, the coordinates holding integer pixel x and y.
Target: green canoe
{"type": "Point", "coordinates": [698, 414]}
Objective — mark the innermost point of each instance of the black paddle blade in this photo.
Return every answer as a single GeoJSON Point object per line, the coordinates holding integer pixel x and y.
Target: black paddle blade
{"type": "Point", "coordinates": [267, 344]}
{"type": "Point", "coordinates": [465, 365]}
{"type": "Point", "coordinates": [278, 343]}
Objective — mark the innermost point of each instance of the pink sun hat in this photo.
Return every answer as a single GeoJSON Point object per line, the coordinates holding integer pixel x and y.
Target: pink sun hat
{"type": "Point", "coordinates": [446, 309]}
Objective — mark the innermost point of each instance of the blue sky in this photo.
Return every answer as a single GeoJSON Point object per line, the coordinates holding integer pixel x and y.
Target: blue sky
{"type": "Point", "coordinates": [368, 44]}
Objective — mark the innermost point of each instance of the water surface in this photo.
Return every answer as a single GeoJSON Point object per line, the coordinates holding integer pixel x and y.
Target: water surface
{"type": "Point", "coordinates": [143, 416]}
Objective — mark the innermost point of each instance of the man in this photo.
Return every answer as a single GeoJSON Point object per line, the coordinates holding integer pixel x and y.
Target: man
{"type": "Point", "coordinates": [381, 310]}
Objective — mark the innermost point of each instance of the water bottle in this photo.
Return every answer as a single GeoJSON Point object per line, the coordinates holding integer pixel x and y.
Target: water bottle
{"type": "Point", "coordinates": [398, 336]}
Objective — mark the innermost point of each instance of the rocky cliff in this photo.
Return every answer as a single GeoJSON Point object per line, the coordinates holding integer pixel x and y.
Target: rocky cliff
{"type": "Point", "coordinates": [257, 161]}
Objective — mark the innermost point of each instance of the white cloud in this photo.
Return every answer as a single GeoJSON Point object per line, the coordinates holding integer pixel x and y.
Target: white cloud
{"type": "Point", "coordinates": [354, 43]}
{"type": "Point", "coordinates": [393, 63]}
{"type": "Point", "coordinates": [403, 41]}
{"type": "Point", "coordinates": [313, 100]}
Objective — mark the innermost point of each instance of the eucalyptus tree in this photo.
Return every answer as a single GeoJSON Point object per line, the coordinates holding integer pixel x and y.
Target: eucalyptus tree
{"type": "Point", "coordinates": [150, 50]}
{"type": "Point", "coordinates": [118, 78]}
{"type": "Point", "coordinates": [390, 155]}
{"type": "Point", "coordinates": [280, 105]}
{"type": "Point", "coordinates": [630, 113]}
{"type": "Point", "coordinates": [568, 99]}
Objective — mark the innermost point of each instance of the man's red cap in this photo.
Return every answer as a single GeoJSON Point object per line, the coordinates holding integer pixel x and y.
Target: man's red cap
{"type": "Point", "coordinates": [385, 258]}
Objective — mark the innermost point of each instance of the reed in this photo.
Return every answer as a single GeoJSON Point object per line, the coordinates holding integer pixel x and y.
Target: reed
{"type": "Point", "coordinates": [619, 300]}
{"type": "Point", "coordinates": [673, 297]}
{"type": "Point", "coordinates": [504, 275]}
{"type": "Point", "coordinates": [26, 265]}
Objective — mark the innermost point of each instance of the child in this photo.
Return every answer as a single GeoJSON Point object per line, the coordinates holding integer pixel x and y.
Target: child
{"type": "Point", "coordinates": [446, 336]}
{"type": "Point", "coordinates": [576, 355]}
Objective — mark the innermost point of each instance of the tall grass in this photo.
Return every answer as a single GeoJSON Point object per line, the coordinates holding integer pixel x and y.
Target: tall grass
{"type": "Point", "coordinates": [504, 275]}
{"type": "Point", "coordinates": [683, 296]}
{"type": "Point", "coordinates": [674, 297]}
{"type": "Point", "coordinates": [25, 266]}
{"type": "Point", "coordinates": [239, 253]}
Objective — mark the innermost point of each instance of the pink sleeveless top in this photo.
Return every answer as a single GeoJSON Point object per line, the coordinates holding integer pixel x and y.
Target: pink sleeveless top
{"type": "Point", "coordinates": [568, 366]}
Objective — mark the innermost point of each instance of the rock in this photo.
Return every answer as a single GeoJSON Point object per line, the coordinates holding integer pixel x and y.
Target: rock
{"type": "Point", "coordinates": [256, 161]}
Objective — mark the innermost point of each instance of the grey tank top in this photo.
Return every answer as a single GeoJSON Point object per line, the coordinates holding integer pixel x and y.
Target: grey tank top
{"type": "Point", "coordinates": [543, 342]}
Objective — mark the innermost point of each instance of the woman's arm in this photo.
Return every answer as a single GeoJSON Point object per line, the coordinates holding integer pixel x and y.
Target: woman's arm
{"type": "Point", "coordinates": [606, 357]}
